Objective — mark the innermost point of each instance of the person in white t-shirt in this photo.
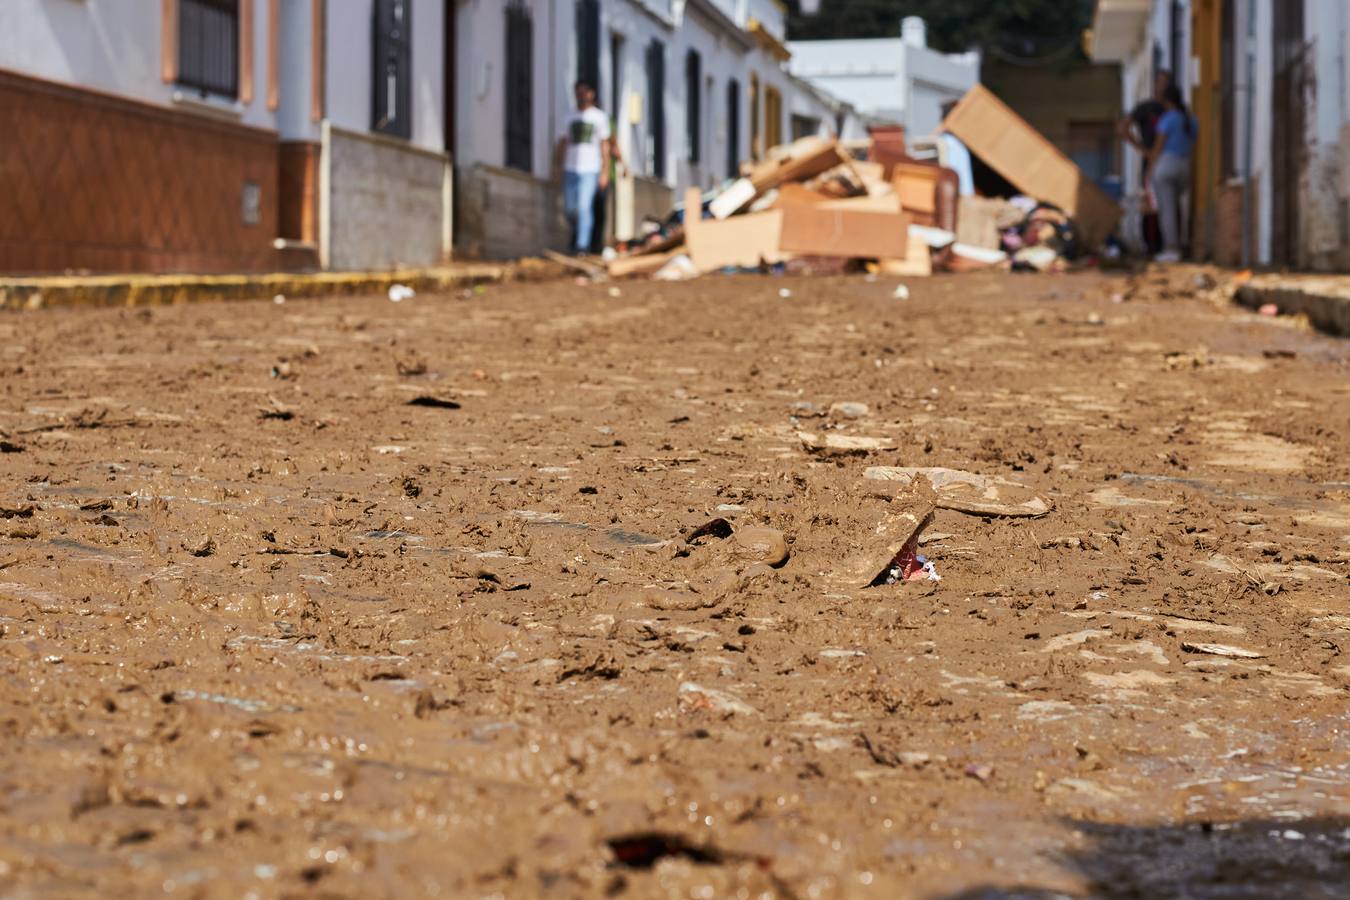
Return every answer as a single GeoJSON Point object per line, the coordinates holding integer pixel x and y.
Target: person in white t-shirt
{"type": "Point", "coordinates": [584, 153]}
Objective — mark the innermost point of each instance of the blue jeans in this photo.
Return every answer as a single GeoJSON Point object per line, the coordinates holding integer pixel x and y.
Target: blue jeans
{"type": "Point", "coordinates": [579, 203]}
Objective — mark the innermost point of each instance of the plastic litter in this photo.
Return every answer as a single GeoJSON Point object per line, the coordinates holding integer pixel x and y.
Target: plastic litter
{"type": "Point", "coordinates": [901, 292]}
{"type": "Point", "coordinates": [400, 292]}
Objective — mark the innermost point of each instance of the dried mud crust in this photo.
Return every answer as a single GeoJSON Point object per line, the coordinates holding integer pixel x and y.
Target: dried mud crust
{"type": "Point", "coordinates": [267, 626]}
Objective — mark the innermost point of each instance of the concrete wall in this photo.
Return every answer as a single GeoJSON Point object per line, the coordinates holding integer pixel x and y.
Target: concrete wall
{"type": "Point", "coordinates": [114, 46]}
{"type": "Point", "coordinates": [385, 203]}
{"type": "Point", "coordinates": [505, 213]}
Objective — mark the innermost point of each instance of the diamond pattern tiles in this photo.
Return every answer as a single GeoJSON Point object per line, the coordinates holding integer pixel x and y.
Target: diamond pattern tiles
{"type": "Point", "coordinates": [90, 182]}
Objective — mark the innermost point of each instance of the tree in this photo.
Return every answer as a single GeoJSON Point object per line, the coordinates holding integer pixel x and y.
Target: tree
{"type": "Point", "coordinates": [1017, 30]}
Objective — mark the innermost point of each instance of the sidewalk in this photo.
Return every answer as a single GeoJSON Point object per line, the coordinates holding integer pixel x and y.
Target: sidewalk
{"type": "Point", "coordinates": [162, 290]}
{"type": "Point", "coordinates": [1324, 299]}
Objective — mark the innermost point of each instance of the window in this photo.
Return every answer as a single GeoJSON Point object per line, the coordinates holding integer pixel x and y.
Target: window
{"type": "Point", "coordinates": [519, 87]}
{"type": "Point", "coordinates": [391, 72]}
{"type": "Point", "coordinates": [693, 114]}
{"type": "Point", "coordinates": [588, 43]}
{"type": "Point", "coordinates": [804, 126]}
{"type": "Point", "coordinates": [756, 145]}
{"type": "Point", "coordinates": [1094, 147]}
{"type": "Point", "coordinates": [733, 128]}
{"type": "Point", "coordinates": [773, 117]}
{"type": "Point", "coordinates": [656, 103]}
{"type": "Point", "coordinates": [208, 46]}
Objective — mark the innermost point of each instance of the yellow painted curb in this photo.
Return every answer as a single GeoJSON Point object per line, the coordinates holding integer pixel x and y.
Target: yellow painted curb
{"type": "Point", "coordinates": [164, 290]}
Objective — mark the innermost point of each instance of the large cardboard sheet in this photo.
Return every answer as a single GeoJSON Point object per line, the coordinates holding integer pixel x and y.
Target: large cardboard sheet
{"type": "Point", "coordinates": [1033, 165]}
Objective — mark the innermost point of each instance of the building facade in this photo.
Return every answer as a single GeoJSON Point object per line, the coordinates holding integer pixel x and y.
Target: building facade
{"type": "Point", "coordinates": [246, 135]}
{"type": "Point", "coordinates": [893, 81]}
{"type": "Point", "coordinates": [222, 135]}
{"type": "Point", "coordinates": [693, 88]}
{"type": "Point", "coordinates": [1268, 84]}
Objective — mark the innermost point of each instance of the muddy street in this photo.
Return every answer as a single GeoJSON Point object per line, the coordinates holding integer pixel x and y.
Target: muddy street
{"type": "Point", "coordinates": [693, 590]}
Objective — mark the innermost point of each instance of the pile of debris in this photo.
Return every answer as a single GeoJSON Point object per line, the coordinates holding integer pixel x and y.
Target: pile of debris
{"type": "Point", "coordinates": [812, 207]}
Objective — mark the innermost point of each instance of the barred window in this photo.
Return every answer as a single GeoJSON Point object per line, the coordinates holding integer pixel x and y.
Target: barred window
{"type": "Point", "coordinates": [391, 70]}
{"type": "Point", "coordinates": [208, 46]}
{"type": "Point", "coordinates": [519, 87]}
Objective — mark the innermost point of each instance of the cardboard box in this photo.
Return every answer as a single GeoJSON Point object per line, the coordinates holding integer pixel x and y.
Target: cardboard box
{"type": "Point", "coordinates": [744, 241]}
{"type": "Point", "coordinates": [1015, 150]}
{"type": "Point", "coordinates": [865, 234]}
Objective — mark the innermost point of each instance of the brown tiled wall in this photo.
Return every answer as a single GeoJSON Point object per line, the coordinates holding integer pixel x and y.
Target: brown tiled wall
{"type": "Point", "coordinates": [298, 190]}
{"type": "Point", "coordinates": [93, 182]}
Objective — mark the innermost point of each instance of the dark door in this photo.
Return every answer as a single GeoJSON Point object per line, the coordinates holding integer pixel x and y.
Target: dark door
{"type": "Point", "coordinates": [656, 103]}
{"type": "Point", "coordinates": [519, 87]}
{"type": "Point", "coordinates": [391, 69]}
{"type": "Point", "coordinates": [733, 128]}
{"type": "Point", "coordinates": [1289, 124]}
{"type": "Point", "coordinates": [588, 43]}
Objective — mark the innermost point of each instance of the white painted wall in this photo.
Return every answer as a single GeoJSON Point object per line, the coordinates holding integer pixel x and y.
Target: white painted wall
{"type": "Point", "coordinates": [348, 69]}
{"type": "Point", "coordinates": [295, 117]}
{"type": "Point", "coordinates": [111, 46]}
{"type": "Point", "coordinates": [887, 78]}
{"type": "Point", "coordinates": [1325, 22]}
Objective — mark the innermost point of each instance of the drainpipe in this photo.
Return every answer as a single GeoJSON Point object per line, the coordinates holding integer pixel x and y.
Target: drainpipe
{"type": "Point", "coordinates": [1248, 138]}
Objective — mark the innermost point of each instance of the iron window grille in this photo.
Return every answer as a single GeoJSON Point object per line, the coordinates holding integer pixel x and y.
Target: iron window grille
{"type": "Point", "coordinates": [693, 111]}
{"type": "Point", "coordinates": [208, 46]}
{"type": "Point", "coordinates": [656, 99]}
{"type": "Point", "coordinates": [519, 87]}
{"type": "Point", "coordinates": [391, 69]}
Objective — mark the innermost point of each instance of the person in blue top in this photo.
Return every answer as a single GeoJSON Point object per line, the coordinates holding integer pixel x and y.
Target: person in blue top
{"type": "Point", "coordinates": [1170, 166]}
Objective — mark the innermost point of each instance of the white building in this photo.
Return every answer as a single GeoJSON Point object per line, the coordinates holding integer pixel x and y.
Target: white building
{"type": "Point", "coordinates": [244, 135]}
{"type": "Point", "coordinates": [1268, 84]}
{"type": "Point", "coordinates": [216, 135]}
{"type": "Point", "coordinates": [899, 81]}
{"type": "Point", "coordinates": [694, 88]}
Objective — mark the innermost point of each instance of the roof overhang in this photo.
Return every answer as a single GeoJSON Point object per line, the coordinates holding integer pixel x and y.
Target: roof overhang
{"type": "Point", "coordinates": [768, 41]}
{"type": "Point", "coordinates": [1118, 28]}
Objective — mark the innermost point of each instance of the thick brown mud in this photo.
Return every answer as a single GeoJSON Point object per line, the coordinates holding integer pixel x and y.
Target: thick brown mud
{"type": "Point", "coordinates": [357, 598]}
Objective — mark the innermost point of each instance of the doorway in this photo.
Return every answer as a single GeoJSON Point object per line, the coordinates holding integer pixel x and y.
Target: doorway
{"type": "Point", "coordinates": [1292, 64]}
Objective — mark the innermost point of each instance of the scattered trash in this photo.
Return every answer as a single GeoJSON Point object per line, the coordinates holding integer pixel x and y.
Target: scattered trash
{"type": "Point", "coordinates": [898, 559]}
{"type": "Point", "coordinates": [901, 292]}
{"type": "Point", "coordinates": [784, 293]}
{"type": "Point", "coordinates": [979, 771]}
{"type": "Point", "coordinates": [279, 299]}
{"type": "Point", "coordinates": [843, 443]}
{"type": "Point", "coordinates": [645, 849]}
{"type": "Point", "coordinates": [695, 698]}
{"type": "Point", "coordinates": [400, 292]}
{"type": "Point", "coordinates": [966, 492]}
{"type": "Point", "coordinates": [678, 268]}
{"type": "Point", "coordinates": [1041, 258]}
{"type": "Point", "coordinates": [431, 402]}
{"type": "Point", "coordinates": [202, 548]}
{"type": "Point", "coordinates": [849, 410]}
{"type": "Point", "coordinates": [1269, 309]}
{"type": "Point", "coordinates": [411, 366]}
{"type": "Point", "coordinates": [276, 411]}
{"type": "Point", "coordinates": [614, 292]}
{"type": "Point", "coordinates": [1221, 650]}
